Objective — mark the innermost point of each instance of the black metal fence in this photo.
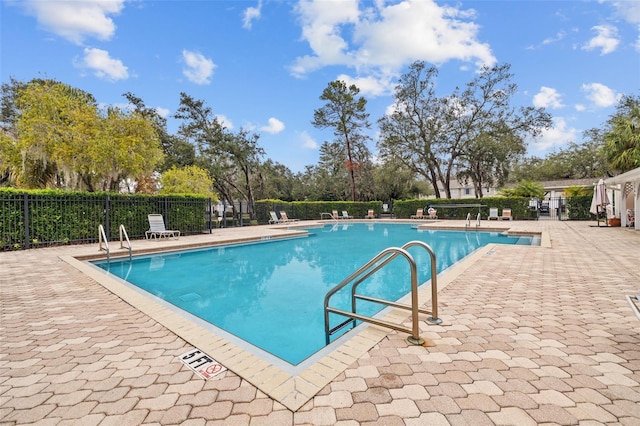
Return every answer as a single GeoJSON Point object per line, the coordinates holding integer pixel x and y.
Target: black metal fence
{"type": "Point", "coordinates": [29, 219]}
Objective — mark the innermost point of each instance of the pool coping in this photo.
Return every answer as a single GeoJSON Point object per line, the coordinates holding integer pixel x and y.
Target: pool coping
{"type": "Point", "coordinates": [291, 390]}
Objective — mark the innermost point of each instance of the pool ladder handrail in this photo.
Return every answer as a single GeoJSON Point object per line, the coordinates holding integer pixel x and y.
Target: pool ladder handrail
{"type": "Point", "coordinates": [468, 224]}
{"type": "Point", "coordinates": [367, 270]}
{"type": "Point", "coordinates": [102, 239]}
{"type": "Point", "coordinates": [326, 215]}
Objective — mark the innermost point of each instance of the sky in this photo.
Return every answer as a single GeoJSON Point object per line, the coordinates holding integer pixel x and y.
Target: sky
{"type": "Point", "coordinates": [261, 65]}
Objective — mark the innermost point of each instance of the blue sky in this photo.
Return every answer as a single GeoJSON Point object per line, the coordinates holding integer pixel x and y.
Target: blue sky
{"type": "Point", "coordinates": [262, 65]}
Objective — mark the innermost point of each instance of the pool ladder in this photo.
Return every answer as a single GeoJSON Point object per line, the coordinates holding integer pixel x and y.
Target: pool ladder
{"type": "Point", "coordinates": [103, 241]}
{"type": "Point", "coordinates": [468, 224]}
{"type": "Point", "coordinates": [367, 270]}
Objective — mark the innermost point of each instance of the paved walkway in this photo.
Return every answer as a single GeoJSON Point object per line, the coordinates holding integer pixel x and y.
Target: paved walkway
{"type": "Point", "coordinates": [531, 335]}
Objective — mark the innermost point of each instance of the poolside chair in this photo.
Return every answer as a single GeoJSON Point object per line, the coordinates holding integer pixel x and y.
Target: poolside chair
{"type": "Point", "coordinates": [506, 214]}
{"type": "Point", "coordinates": [433, 213]}
{"type": "Point", "coordinates": [370, 214]}
{"type": "Point", "coordinates": [345, 215]}
{"type": "Point", "coordinates": [285, 218]}
{"type": "Point", "coordinates": [335, 215]}
{"type": "Point", "coordinates": [493, 213]}
{"type": "Point", "coordinates": [274, 218]}
{"type": "Point", "coordinates": [157, 228]}
{"type": "Point", "coordinates": [419, 214]}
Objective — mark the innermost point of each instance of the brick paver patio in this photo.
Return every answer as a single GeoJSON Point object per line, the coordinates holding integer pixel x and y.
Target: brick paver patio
{"type": "Point", "coordinates": [531, 335]}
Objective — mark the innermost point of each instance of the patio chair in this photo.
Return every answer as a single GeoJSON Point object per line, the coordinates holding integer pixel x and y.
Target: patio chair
{"type": "Point", "coordinates": [493, 213]}
{"type": "Point", "coordinates": [631, 218]}
{"type": "Point", "coordinates": [506, 214]}
{"type": "Point", "coordinates": [433, 213]}
{"type": "Point", "coordinates": [370, 214]}
{"type": "Point", "coordinates": [419, 214]}
{"type": "Point", "coordinates": [285, 218]}
{"type": "Point", "coordinates": [274, 218]}
{"type": "Point", "coordinates": [157, 228]}
{"type": "Point", "coordinates": [345, 215]}
{"type": "Point", "coordinates": [335, 214]}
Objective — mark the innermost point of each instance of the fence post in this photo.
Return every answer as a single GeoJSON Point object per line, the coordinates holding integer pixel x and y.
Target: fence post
{"type": "Point", "coordinates": [210, 216]}
{"type": "Point", "coordinates": [107, 221]}
{"type": "Point", "coordinates": [27, 237]}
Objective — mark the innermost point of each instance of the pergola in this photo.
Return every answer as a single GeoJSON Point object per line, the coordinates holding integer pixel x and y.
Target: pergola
{"type": "Point", "coordinates": [624, 185]}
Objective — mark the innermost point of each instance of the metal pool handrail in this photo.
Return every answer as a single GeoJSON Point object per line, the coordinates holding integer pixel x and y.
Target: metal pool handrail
{"type": "Point", "coordinates": [367, 270]}
{"type": "Point", "coordinates": [102, 238]}
{"type": "Point", "coordinates": [123, 231]}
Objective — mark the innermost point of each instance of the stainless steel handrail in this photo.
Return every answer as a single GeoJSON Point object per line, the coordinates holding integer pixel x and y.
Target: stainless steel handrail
{"type": "Point", "coordinates": [326, 215]}
{"type": "Point", "coordinates": [123, 231]}
{"type": "Point", "coordinates": [367, 270]}
{"type": "Point", "coordinates": [468, 224]}
{"type": "Point", "coordinates": [102, 238]}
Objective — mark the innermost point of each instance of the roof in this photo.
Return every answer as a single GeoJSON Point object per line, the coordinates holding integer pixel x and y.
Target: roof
{"type": "Point", "coordinates": [630, 176]}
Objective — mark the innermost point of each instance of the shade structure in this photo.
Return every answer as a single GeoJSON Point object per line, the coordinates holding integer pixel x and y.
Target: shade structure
{"type": "Point", "coordinates": [600, 200]}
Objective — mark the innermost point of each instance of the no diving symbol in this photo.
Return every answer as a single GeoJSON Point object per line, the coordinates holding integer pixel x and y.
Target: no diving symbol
{"type": "Point", "coordinates": [213, 369]}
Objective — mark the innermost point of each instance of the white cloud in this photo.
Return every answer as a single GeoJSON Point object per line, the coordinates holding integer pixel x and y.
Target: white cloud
{"type": "Point", "coordinates": [606, 40]}
{"type": "Point", "coordinates": [274, 126]}
{"type": "Point", "coordinates": [600, 95]}
{"type": "Point", "coordinates": [382, 38]}
{"type": "Point", "coordinates": [251, 14]}
{"type": "Point", "coordinates": [628, 10]}
{"type": "Point", "coordinates": [557, 136]}
{"type": "Point", "coordinates": [224, 121]}
{"type": "Point", "coordinates": [547, 97]}
{"type": "Point", "coordinates": [163, 112]}
{"type": "Point", "coordinates": [76, 20]}
{"type": "Point", "coordinates": [198, 69]}
{"type": "Point", "coordinates": [307, 141]}
{"type": "Point", "coordinates": [102, 65]}
{"type": "Point", "coordinates": [370, 85]}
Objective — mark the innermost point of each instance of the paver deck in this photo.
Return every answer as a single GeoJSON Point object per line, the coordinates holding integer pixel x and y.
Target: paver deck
{"type": "Point", "coordinates": [531, 335]}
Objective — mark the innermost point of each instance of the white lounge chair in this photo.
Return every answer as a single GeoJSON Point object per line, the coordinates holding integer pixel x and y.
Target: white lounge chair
{"type": "Point", "coordinates": [157, 228]}
{"type": "Point", "coordinates": [493, 213]}
{"type": "Point", "coordinates": [274, 218]}
{"type": "Point", "coordinates": [345, 215]}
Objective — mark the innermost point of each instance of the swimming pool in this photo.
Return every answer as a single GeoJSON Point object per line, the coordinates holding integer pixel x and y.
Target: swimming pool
{"type": "Point", "coordinates": [270, 294]}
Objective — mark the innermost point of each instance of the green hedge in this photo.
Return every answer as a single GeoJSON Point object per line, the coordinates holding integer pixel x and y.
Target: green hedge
{"type": "Point", "coordinates": [47, 217]}
{"type": "Point", "coordinates": [310, 210]}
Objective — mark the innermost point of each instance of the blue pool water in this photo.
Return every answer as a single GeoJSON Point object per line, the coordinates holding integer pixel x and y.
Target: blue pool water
{"type": "Point", "coordinates": [271, 294]}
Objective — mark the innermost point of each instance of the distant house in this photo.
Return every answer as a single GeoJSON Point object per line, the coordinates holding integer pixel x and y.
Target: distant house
{"type": "Point", "coordinates": [461, 190]}
{"type": "Point", "coordinates": [552, 188]}
{"type": "Point", "coordinates": [556, 188]}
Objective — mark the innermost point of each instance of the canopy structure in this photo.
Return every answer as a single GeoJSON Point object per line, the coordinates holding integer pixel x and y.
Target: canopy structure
{"type": "Point", "coordinates": [626, 188]}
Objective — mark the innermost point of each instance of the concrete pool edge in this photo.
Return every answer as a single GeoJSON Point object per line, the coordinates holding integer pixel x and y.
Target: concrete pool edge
{"type": "Point", "coordinates": [292, 391]}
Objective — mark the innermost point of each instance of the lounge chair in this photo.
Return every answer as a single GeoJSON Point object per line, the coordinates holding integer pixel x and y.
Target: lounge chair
{"type": "Point", "coordinates": [274, 218]}
{"type": "Point", "coordinates": [335, 214]}
{"type": "Point", "coordinates": [285, 218]}
{"type": "Point", "coordinates": [157, 228]}
{"type": "Point", "coordinates": [493, 213]}
{"type": "Point", "coordinates": [419, 214]}
{"type": "Point", "coordinates": [370, 214]}
{"type": "Point", "coordinates": [433, 213]}
{"type": "Point", "coordinates": [345, 215]}
{"type": "Point", "coordinates": [506, 214]}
